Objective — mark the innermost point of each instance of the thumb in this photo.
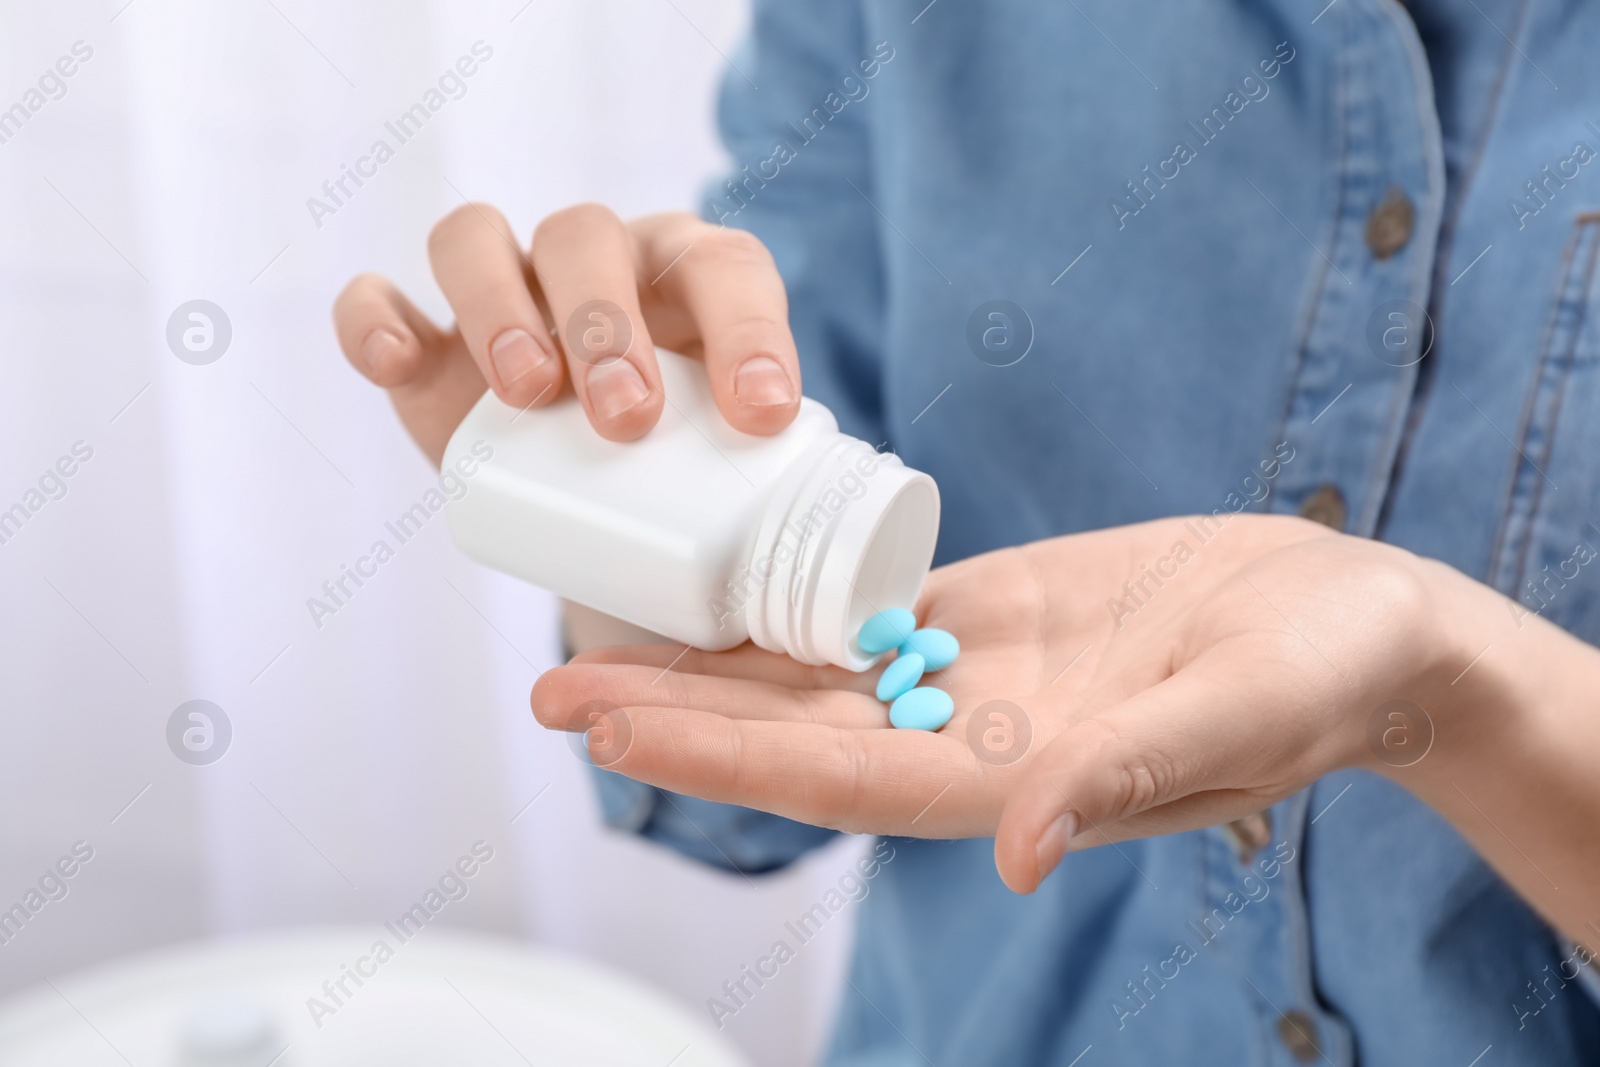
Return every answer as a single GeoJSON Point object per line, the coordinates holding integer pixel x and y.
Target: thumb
{"type": "Point", "coordinates": [1194, 733]}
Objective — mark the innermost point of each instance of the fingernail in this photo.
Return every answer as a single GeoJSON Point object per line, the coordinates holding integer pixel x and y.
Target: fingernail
{"type": "Point", "coordinates": [761, 383]}
{"type": "Point", "coordinates": [515, 355]}
{"type": "Point", "coordinates": [381, 352]}
{"type": "Point", "coordinates": [1053, 842]}
{"type": "Point", "coordinates": [615, 388]}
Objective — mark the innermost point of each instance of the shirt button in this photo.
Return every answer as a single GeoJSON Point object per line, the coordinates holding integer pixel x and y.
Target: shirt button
{"type": "Point", "coordinates": [1326, 506]}
{"type": "Point", "coordinates": [1298, 1033]}
{"type": "Point", "coordinates": [1250, 834]}
{"type": "Point", "coordinates": [1389, 225]}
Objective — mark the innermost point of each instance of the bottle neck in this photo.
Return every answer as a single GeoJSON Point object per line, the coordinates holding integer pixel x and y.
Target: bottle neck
{"type": "Point", "coordinates": [847, 532]}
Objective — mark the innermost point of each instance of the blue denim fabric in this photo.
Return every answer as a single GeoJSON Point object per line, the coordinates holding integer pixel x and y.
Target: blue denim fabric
{"type": "Point", "coordinates": [1194, 311]}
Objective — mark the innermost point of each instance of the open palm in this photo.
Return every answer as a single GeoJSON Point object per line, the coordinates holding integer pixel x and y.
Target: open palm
{"type": "Point", "coordinates": [1222, 677]}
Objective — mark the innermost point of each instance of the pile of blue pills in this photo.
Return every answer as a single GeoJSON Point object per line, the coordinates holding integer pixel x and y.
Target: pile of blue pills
{"type": "Point", "coordinates": [911, 707]}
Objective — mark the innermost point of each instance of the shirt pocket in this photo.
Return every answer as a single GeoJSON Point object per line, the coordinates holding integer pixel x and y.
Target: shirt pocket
{"type": "Point", "coordinates": [1547, 552]}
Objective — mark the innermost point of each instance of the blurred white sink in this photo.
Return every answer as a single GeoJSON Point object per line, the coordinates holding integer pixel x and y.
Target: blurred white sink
{"type": "Point", "coordinates": [443, 997]}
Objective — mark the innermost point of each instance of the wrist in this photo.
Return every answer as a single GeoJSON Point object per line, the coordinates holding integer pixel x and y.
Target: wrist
{"type": "Point", "coordinates": [1510, 763]}
{"type": "Point", "coordinates": [1473, 690]}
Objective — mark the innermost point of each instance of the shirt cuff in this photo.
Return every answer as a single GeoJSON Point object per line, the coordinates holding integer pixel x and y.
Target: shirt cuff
{"type": "Point", "coordinates": [720, 835]}
{"type": "Point", "coordinates": [1583, 959]}
{"type": "Point", "coordinates": [625, 804]}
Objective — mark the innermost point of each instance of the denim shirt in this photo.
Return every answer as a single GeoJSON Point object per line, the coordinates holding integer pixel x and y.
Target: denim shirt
{"type": "Point", "coordinates": [1092, 263]}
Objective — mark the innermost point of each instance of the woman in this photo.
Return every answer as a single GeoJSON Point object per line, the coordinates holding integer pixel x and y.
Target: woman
{"type": "Point", "coordinates": [1289, 307]}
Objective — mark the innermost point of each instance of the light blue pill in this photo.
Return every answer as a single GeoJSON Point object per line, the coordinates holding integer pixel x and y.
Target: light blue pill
{"type": "Point", "coordinates": [924, 708]}
{"type": "Point", "coordinates": [938, 648]}
{"type": "Point", "coordinates": [900, 676]}
{"type": "Point", "coordinates": [886, 630]}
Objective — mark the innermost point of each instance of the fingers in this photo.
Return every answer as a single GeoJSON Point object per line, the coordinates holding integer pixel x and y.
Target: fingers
{"type": "Point", "coordinates": [603, 288]}
{"type": "Point", "coordinates": [1086, 777]}
{"type": "Point", "coordinates": [725, 283]}
{"type": "Point", "coordinates": [480, 267]}
{"type": "Point", "coordinates": [584, 258]}
{"type": "Point", "coordinates": [432, 382]}
{"type": "Point", "coordinates": [747, 661]}
{"type": "Point", "coordinates": [883, 781]}
{"type": "Point", "coordinates": [382, 334]}
{"type": "Point", "coordinates": [562, 689]}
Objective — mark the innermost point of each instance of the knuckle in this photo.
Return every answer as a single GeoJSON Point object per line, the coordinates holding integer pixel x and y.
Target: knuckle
{"type": "Point", "coordinates": [1142, 782]}
{"type": "Point", "coordinates": [808, 707]}
{"type": "Point", "coordinates": [677, 223]}
{"type": "Point", "coordinates": [745, 781]}
{"type": "Point", "coordinates": [1142, 776]}
{"type": "Point", "coordinates": [677, 694]}
{"type": "Point", "coordinates": [741, 248]}
{"type": "Point", "coordinates": [863, 775]}
{"type": "Point", "coordinates": [753, 333]}
{"type": "Point", "coordinates": [841, 808]}
{"type": "Point", "coordinates": [449, 228]}
{"type": "Point", "coordinates": [814, 707]}
{"type": "Point", "coordinates": [576, 220]}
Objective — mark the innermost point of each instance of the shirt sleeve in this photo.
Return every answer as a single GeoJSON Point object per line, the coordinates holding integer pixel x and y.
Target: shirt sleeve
{"type": "Point", "coordinates": [721, 835]}
{"type": "Point", "coordinates": [798, 143]}
{"type": "Point", "coordinates": [800, 179]}
{"type": "Point", "coordinates": [1582, 961]}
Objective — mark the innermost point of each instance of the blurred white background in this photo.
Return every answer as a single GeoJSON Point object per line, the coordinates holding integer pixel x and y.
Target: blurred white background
{"type": "Point", "coordinates": [369, 754]}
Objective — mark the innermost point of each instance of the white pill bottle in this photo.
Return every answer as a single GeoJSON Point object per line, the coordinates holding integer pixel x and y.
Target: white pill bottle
{"type": "Point", "coordinates": [697, 531]}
